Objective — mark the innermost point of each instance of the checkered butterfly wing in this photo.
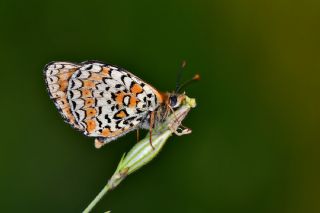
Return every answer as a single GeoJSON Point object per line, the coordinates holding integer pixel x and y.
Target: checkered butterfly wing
{"type": "Point", "coordinates": [108, 101]}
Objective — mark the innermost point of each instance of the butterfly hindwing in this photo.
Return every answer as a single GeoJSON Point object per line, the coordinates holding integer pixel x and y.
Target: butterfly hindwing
{"type": "Point", "coordinates": [108, 101]}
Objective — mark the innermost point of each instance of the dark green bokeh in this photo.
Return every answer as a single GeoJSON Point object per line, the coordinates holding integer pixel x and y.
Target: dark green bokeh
{"type": "Point", "coordinates": [255, 141]}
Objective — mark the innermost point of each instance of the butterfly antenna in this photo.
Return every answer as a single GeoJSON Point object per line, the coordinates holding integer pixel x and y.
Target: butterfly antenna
{"type": "Point", "coordinates": [179, 76]}
{"type": "Point", "coordinates": [196, 77]}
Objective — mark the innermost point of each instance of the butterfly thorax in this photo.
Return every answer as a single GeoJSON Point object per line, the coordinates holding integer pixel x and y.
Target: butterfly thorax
{"type": "Point", "coordinates": [170, 102]}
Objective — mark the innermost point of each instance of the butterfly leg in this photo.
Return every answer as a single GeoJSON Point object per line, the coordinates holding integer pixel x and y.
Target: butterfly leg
{"type": "Point", "coordinates": [138, 135]}
{"type": "Point", "coordinates": [165, 115]}
{"type": "Point", "coordinates": [151, 128]}
{"type": "Point", "coordinates": [173, 112]}
{"type": "Point", "coordinates": [176, 126]}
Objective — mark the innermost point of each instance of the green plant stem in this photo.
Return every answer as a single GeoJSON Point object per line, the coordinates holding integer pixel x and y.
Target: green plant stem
{"type": "Point", "coordinates": [114, 181]}
{"type": "Point", "coordinates": [93, 203]}
{"type": "Point", "coordinates": [142, 152]}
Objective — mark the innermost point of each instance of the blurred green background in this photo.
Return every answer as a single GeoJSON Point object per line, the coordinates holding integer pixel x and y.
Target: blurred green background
{"type": "Point", "coordinates": [255, 141]}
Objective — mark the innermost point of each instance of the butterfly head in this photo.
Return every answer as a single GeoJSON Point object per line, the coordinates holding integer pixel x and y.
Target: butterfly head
{"type": "Point", "coordinates": [175, 100]}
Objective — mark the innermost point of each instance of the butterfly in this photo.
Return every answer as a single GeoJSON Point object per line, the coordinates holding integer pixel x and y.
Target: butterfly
{"type": "Point", "coordinates": [105, 101]}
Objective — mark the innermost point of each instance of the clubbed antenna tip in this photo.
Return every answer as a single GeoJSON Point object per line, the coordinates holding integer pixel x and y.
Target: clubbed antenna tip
{"type": "Point", "coordinates": [196, 77]}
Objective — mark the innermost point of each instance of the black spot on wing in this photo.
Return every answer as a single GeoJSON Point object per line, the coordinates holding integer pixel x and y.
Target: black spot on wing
{"type": "Point", "coordinates": [110, 72]}
{"type": "Point", "coordinates": [72, 84]}
{"type": "Point", "coordinates": [104, 80]}
{"type": "Point", "coordinates": [74, 104]}
{"type": "Point", "coordinates": [78, 74]}
{"type": "Point", "coordinates": [113, 96]}
{"type": "Point", "coordinates": [139, 111]}
{"type": "Point", "coordinates": [99, 122]}
{"type": "Point", "coordinates": [128, 120]}
{"type": "Point", "coordinates": [89, 67]}
{"type": "Point", "coordinates": [107, 118]}
{"type": "Point", "coordinates": [132, 83]}
{"type": "Point", "coordinates": [155, 99]}
{"type": "Point", "coordinates": [122, 78]}
{"type": "Point", "coordinates": [77, 115]}
{"type": "Point", "coordinates": [99, 110]}
{"type": "Point", "coordinates": [71, 94]}
{"type": "Point", "coordinates": [117, 124]}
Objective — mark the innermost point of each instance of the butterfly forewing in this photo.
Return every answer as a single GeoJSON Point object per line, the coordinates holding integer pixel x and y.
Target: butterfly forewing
{"type": "Point", "coordinates": [57, 76]}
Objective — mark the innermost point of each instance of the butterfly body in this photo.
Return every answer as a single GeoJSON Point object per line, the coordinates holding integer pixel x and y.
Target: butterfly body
{"type": "Point", "coordinates": [102, 100]}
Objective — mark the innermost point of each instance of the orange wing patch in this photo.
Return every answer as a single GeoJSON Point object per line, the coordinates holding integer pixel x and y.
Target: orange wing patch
{"type": "Point", "coordinates": [67, 112]}
{"type": "Point", "coordinates": [63, 85]}
{"type": "Point", "coordinates": [133, 101]}
{"type": "Point", "coordinates": [105, 71]}
{"type": "Point", "coordinates": [62, 102]}
{"type": "Point", "coordinates": [121, 114]}
{"type": "Point", "coordinates": [136, 89]}
{"type": "Point", "coordinates": [95, 77]}
{"type": "Point", "coordinates": [119, 98]}
{"type": "Point", "coordinates": [115, 133]}
{"type": "Point", "coordinates": [88, 84]}
{"type": "Point", "coordinates": [66, 75]}
{"type": "Point", "coordinates": [106, 132]}
{"type": "Point", "coordinates": [89, 102]}
{"type": "Point", "coordinates": [91, 112]}
{"type": "Point", "coordinates": [86, 93]}
{"type": "Point", "coordinates": [91, 125]}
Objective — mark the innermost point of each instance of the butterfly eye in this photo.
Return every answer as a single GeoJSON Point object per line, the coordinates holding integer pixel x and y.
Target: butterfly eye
{"type": "Point", "coordinates": [173, 101]}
